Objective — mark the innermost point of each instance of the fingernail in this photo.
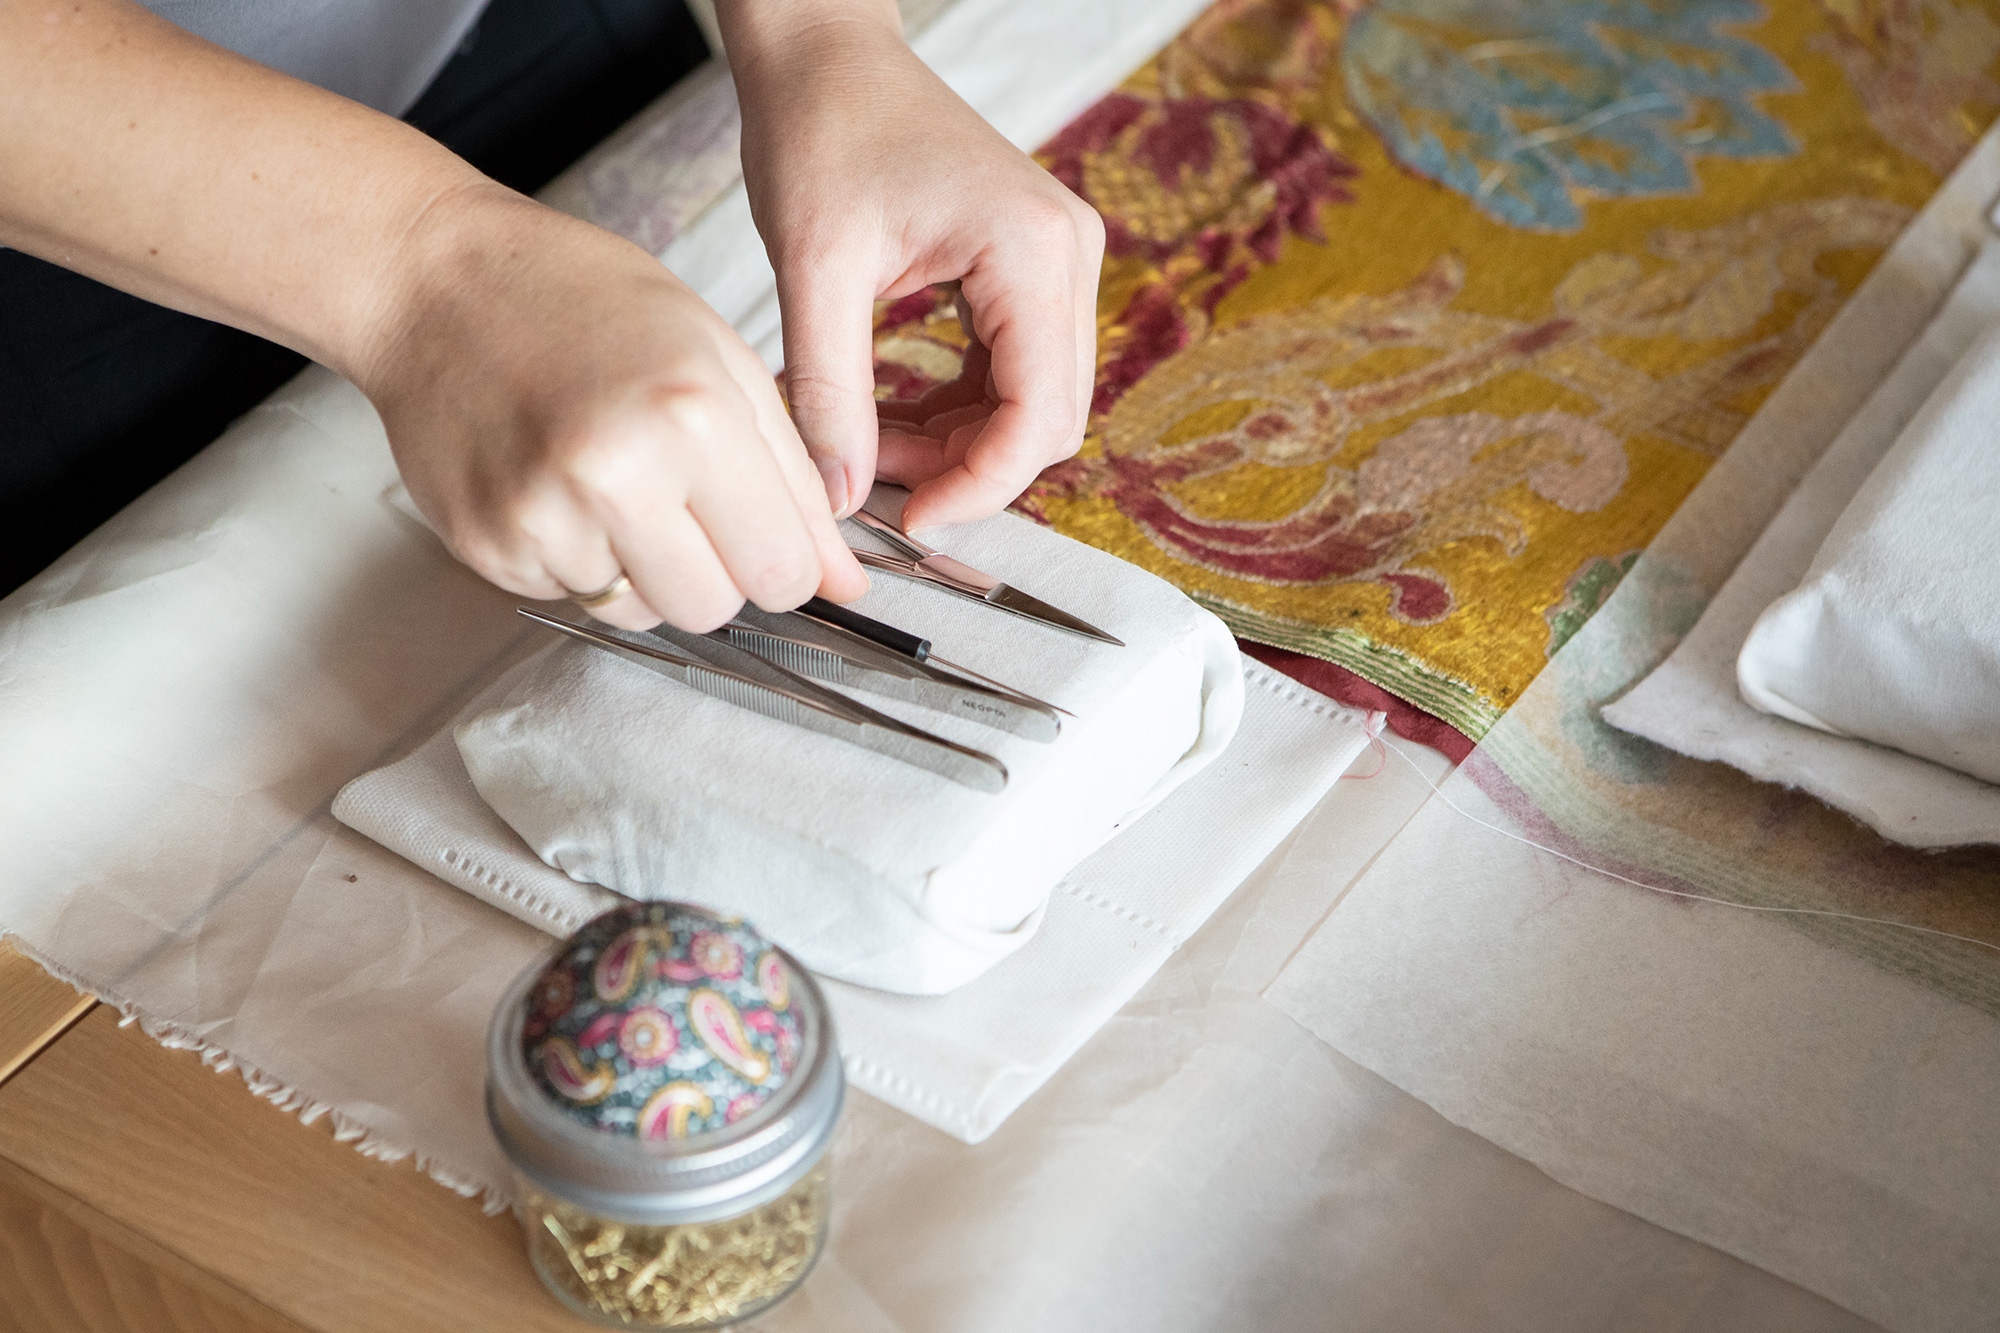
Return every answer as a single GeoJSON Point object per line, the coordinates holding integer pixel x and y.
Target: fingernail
{"type": "Point", "coordinates": [834, 474]}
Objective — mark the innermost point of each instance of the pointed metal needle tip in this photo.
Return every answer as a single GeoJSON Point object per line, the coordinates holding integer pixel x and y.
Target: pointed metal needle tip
{"type": "Point", "coordinates": [1009, 598]}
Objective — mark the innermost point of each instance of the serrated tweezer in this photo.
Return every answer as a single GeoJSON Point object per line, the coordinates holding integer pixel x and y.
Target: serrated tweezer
{"type": "Point", "coordinates": [709, 663]}
{"type": "Point", "coordinates": [812, 647]}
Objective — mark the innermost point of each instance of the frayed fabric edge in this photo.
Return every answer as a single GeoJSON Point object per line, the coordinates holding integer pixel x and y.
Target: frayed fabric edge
{"type": "Point", "coordinates": [493, 1200]}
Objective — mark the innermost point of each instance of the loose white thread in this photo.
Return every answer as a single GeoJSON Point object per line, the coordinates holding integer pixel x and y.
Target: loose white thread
{"type": "Point", "coordinates": [1679, 893]}
{"type": "Point", "coordinates": [1372, 725]}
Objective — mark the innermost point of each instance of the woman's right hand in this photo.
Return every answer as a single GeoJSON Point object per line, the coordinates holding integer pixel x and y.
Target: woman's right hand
{"type": "Point", "coordinates": [563, 409]}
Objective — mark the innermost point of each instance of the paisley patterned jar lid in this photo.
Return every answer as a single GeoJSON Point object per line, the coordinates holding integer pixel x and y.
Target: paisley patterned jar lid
{"type": "Point", "coordinates": [658, 1020]}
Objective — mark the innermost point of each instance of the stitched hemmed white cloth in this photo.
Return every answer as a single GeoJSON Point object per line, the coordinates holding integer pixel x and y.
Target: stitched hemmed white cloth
{"type": "Point", "coordinates": [869, 870]}
{"type": "Point", "coordinates": [1691, 703]}
{"type": "Point", "coordinates": [1894, 636]}
{"type": "Point", "coordinates": [961, 1062]}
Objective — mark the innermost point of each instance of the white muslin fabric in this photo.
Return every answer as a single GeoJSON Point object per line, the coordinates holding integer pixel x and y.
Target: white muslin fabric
{"type": "Point", "coordinates": [1697, 701]}
{"type": "Point", "coordinates": [1894, 636]}
{"type": "Point", "coordinates": [869, 870]}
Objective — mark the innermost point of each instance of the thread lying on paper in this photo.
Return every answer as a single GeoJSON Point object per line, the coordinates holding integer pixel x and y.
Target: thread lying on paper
{"type": "Point", "coordinates": [1677, 893]}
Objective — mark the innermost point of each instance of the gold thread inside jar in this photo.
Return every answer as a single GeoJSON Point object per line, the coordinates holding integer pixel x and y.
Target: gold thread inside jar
{"type": "Point", "coordinates": [691, 1276]}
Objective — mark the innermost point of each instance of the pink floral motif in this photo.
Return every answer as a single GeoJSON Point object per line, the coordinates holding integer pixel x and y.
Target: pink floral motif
{"type": "Point", "coordinates": [741, 1106]}
{"type": "Point", "coordinates": [717, 955]}
{"type": "Point", "coordinates": [647, 1037]}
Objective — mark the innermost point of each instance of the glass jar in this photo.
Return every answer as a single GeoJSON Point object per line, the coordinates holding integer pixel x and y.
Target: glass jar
{"type": "Point", "coordinates": [668, 1134]}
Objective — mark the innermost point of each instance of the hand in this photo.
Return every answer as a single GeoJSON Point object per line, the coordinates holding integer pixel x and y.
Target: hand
{"type": "Point", "coordinates": [870, 179]}
{"type": "Point", "coordinates": [562, 409]}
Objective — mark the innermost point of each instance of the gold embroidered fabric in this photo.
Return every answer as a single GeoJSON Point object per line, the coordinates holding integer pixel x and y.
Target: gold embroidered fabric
{"type": "Point", "coordinates": [1419, 317]}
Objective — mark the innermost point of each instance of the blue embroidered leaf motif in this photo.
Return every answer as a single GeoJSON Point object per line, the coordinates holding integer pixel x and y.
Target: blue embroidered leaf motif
{"type": "Point", "coordinates": [1525, 105]}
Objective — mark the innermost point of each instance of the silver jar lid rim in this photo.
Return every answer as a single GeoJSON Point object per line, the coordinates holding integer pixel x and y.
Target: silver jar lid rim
{"type": "Point", "coordinates": [665, 1181]}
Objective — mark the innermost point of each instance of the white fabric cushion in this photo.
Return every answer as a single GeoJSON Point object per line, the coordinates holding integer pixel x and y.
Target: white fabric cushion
{"type": "Point", "coordinates": [1692, 703]}
{"type": "Point", "coordinates": [1894, 634]}
{"type": "Point", "coordinates": [871, 870]}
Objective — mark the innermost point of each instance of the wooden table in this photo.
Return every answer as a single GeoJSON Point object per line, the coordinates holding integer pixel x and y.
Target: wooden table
{"type": "Point", "coordinates": [142, 1191]}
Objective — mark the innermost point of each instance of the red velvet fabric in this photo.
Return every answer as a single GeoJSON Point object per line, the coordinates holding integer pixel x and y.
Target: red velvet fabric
{"type": "Point", "coordinates": [1343, 686]}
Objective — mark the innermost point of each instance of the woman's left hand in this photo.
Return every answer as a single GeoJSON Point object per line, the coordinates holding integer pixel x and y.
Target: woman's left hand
{"type": "Point", "coordinates": [870, 179]}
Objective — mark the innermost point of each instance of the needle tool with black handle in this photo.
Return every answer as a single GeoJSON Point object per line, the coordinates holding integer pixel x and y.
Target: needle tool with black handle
{"type": "Point", "coordinates": [908, 645]}
{"type": "Point", "coordinates": [844, 647]}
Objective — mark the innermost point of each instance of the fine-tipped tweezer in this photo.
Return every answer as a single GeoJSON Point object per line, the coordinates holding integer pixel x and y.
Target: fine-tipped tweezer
{"type": "Point", "coordinates": [941, 571]}
{"type": "Point", "coordinates": [846, 648]}
{"type": "Point", "coordinates": [711, 665]}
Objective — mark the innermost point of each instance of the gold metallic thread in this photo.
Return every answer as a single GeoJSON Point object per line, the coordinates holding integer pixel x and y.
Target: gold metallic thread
{"type": "Point", "coordinates": [689, 1277]}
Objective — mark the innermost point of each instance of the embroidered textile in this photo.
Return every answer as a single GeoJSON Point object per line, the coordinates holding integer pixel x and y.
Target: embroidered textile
{"type": "Point", "coordinates": [1420, 317]}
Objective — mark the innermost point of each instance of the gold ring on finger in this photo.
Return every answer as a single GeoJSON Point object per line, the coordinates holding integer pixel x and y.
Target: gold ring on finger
{"type": "Point", "coordinates": [604, 596]}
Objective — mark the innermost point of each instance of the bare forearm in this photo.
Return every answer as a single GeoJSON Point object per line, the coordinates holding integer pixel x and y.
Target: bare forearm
{"type": "Point", "coordinates": [568, 414]}
{"type": "Point", "coordinates": [163, 165]}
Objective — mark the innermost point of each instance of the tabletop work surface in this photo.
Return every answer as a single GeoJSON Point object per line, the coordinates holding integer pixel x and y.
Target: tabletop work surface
{"type": "Point", "coordinates": [140, 1191]}
{"type": "Point", "coordinates": [35, 1009]}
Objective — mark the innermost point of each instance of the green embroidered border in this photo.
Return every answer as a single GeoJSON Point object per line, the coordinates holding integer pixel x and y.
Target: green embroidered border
{"type": "Point", "coordinates": [1395, 671]}
{"type": "Point", "coordinates": [1962, 971]}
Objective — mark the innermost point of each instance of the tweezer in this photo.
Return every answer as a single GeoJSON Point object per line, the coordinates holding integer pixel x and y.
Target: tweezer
{"type": "Point", "coordinates": [941, 571]}
{"type": "Point", "coordinates": [912, 646]}
{"type": "Point", "coordinates": [811, 645]}
{"type": "Point", "coordinates": [711, 665]}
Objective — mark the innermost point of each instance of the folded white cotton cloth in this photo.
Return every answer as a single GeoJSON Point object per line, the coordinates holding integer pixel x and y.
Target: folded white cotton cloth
{"type": "Point", "coordinates": [869, 870]}
{"type": "Point", "coordinates": [1825, 580]}
{"type": "Point", "coordinates": [960, 1062]}
{"type": "Point", "coordinates": [1894, 636]}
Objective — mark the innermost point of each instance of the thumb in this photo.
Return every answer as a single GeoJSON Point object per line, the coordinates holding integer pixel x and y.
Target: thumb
{"type": "Point", "coordinates": [830, 378]}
